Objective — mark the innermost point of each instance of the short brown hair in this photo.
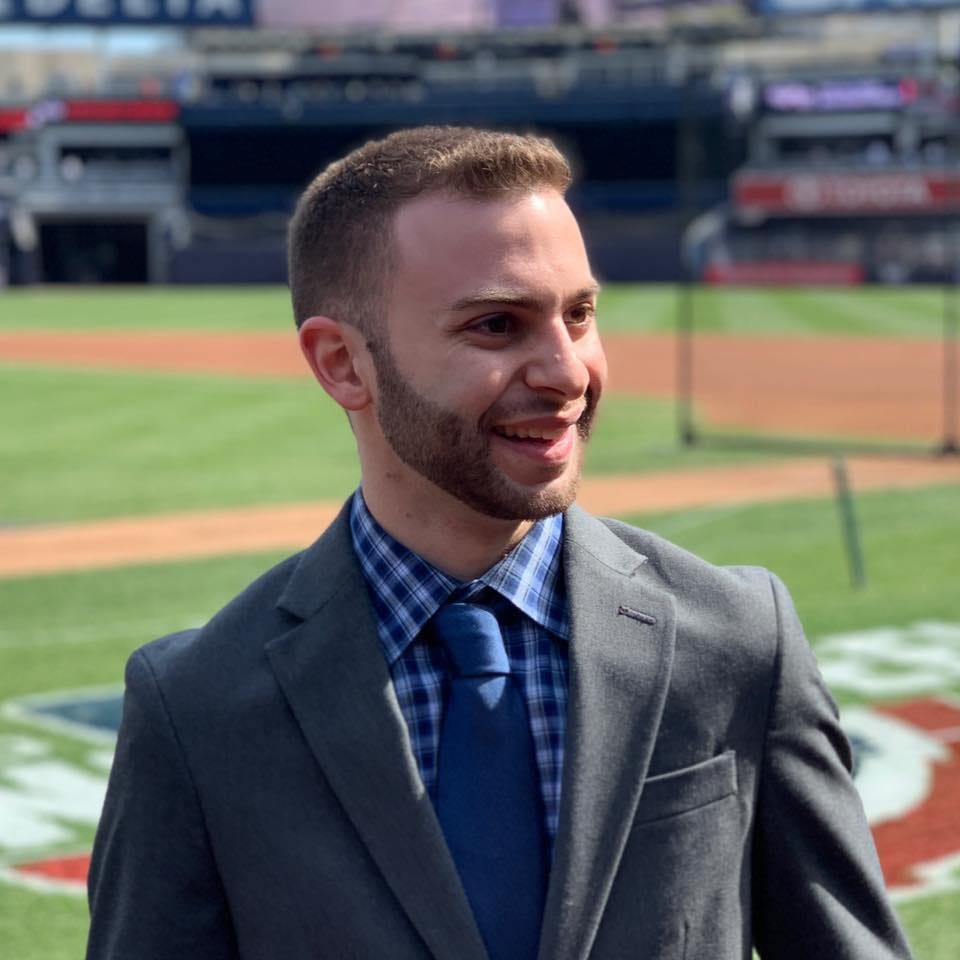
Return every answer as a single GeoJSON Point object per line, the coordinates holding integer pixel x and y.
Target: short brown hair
{"type": "Point", "coordinates": [340, 236]}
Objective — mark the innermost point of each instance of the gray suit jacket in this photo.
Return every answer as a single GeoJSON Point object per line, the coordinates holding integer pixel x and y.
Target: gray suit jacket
{"type": "Point", "coordinates": [265, 803]}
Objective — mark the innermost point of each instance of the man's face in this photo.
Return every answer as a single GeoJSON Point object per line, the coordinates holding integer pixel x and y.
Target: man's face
{"type": "Point", "coordinates": [491, 367]}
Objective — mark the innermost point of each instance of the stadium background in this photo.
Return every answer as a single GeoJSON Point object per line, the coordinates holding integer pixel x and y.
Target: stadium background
{"type": "Point", "coordinates": [162, 444]}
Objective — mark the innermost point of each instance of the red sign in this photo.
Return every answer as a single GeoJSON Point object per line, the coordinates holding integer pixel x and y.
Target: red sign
{"type": "Point", "coordinates": [45, 112]}
{"type": "Point", "coordinates": [14, 118]}
{"type": "Point", "coordinates": [784, 273]}
{"type": "Point", "coordinates": [810, 194]}
{"type": "Point", "coordinates": [120, 111]}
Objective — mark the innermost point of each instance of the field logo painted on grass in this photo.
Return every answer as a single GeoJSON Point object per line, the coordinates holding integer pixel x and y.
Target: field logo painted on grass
{"type": "Point", "coordinates": [48, 804]}
{"type": "Point", "coordinates": [907, 763]}
{"type": "Point", "coordinates": [908, 754]}
{"type": "Point", "coordinates": [48, 807]}
{"type": "Point", "coordinates": [908, 775]}
{"type": "Point", "coordinates": [885, 663]}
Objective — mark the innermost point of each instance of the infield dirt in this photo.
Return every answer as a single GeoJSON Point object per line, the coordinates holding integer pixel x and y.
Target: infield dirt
{"type": "Point", "coordinates": [26, 551]}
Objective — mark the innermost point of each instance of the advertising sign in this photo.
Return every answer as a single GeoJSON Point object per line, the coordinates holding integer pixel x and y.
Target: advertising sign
{"type": "Point", "coordinates": [798, 7]}
{"type": "Point", "coordinates": [88, 111]}
{"type": "Point", "coordinates": [765, 273]}
{"type": "Point", "coordinates": [470, 15]}
{"type": "Point", "coordinates": [170, 13]}
{"type": "Point", "coordinates": [839, 95]}
{"type": "Point", "coordinates": [810, 194]}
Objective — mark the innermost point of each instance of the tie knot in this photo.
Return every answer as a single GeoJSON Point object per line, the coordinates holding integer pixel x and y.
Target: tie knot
{"type": "Point", "coordinates": [471, 636]}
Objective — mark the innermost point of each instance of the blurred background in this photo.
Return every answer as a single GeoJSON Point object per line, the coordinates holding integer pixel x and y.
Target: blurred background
{"type": "Point", "coordinates": [769, 190]}
{"type": "Point", "coordinates": [146, 140]}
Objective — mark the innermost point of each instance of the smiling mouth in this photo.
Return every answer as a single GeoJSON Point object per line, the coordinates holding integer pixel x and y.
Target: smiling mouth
{"type": "Point", "coordinates": [523, 433]}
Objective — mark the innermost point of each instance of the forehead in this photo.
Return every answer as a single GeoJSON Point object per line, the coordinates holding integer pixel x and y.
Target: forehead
{"type": "Point", "coordinates": [450, 247]}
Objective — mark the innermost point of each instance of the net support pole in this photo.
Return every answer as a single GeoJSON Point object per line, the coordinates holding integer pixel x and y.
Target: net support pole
{"type": "Point", "coordinates": [685, 427]}
{"type": "Point", "coordinates": [951, 371]}
{"type": "Point", "coordinates": [688, 172]}
{"type": "Point", "coordinates": [951, 347]}
{"type": "Point", "coordinates": [848, 521]}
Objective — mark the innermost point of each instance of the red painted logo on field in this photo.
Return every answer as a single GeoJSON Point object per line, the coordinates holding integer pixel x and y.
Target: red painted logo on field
{"type": "Point", "coordinates": [68, 872]}
{"type": "Point", "coordinates": [922, 848]}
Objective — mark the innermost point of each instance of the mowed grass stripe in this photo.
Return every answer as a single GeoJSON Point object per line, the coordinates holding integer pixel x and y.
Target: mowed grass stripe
{"type": "Point", "coordinates": [778, 311]}
{"type": "Point", "coordinates": [761, 312]}
{"type": "Point", "coordinates": [874, 311]}
{"type": "Point", "coordinates": [232, 308]}
{"type": "Point", "coordinates": [632, 308]}
{"type": "Point", "coordinates": [90, 445]}
{"type": "Point", "coordinates": [907, 311]}
{"type": "Point", "coordinates": [77, 629]}
{"type": "Point", "coordinates": [848, 311]}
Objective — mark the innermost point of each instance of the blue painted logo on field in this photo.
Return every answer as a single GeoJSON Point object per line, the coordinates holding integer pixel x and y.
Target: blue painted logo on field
{"type": "Point", "coordinates": [90, 714]}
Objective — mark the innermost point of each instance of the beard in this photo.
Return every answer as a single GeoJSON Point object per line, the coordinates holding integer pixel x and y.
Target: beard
{"type": "Point", "coordinates": [454, 454]}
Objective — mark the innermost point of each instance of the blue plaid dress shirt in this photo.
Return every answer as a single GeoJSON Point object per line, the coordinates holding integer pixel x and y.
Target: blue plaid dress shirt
{"type": "Point", "coordinates": [526, 591]}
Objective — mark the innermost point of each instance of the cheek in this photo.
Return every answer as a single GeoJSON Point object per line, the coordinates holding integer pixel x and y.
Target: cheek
{"type": "Point", "coordinates": [479, 384]}
{"type": "Point", "coordinates": [466, 397]}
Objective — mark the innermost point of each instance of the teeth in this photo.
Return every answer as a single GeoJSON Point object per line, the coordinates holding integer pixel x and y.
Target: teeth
{"type": "Point", "coordinates": [521, 433]}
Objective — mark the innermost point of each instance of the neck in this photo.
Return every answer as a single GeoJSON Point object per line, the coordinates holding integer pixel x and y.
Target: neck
{"type": "Point", "coordinates": [445, 532]}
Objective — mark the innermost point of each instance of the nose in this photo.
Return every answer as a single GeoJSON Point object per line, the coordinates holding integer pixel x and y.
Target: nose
{"type": "Point", "coordinates": [561, 361]}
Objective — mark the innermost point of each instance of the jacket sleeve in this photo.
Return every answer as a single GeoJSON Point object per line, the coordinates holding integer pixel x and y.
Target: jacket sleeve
{"type": "Point", "coordinates": [818, 887]}
{"type": "Point", "coordinates": [154, 888]}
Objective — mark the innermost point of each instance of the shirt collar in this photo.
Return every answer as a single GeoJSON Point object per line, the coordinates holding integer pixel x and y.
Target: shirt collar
{"type": "Point", "coordinates": [406, 590]}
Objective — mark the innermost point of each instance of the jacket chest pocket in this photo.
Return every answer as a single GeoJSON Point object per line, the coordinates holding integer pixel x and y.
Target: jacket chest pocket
{"type": "Point", "coordinates": [687, 789]}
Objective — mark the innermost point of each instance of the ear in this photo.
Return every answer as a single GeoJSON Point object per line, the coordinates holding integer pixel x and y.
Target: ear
{"type": "Point", "coordinates": [333, 350]}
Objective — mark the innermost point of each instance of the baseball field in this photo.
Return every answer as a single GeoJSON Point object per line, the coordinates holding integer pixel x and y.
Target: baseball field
{"type": "Point", "coordinates": [162, 447]}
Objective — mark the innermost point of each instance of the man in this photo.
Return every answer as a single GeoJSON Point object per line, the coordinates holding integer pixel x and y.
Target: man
{"type": "Point", "coordinates": [313, 774]}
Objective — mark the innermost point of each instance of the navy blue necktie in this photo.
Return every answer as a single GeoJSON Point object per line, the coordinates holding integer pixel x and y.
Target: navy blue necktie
{"type": "Point", "coordinates": [488, 798]}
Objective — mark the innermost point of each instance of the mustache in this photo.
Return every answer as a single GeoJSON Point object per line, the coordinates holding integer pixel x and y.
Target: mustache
{"type": "Point", "coordinates": [543, 407]}
{"type": "Point", "coordinates": [585, 423]}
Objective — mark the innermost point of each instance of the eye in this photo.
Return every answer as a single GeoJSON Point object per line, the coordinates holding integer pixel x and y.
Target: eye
{"type": "Point", "coordinates": [496, 324]}
{"type": "Point", "coordinates": [581, 314]}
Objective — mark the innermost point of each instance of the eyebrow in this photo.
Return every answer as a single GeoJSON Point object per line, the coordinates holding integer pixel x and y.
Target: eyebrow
{"type": "Point", "coordinates": [515, 298]}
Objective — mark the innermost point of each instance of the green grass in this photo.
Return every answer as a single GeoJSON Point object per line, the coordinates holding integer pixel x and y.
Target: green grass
{"type": "Point", "coordinates": [931, 924]}
{"type": "Point", "coordinates": [822, 312]}
{"type": "Point", "coordinates": [147, 308]}
{"type": "Point", "coordinates": [76, 629]}
{"type": "Point", "coordinates": [92, 445]}
{"type": "Point", "coordinates": [623, 308]}
{"type": "Point", "coordinates": [96, 444]}
{"type": "Point", "coordinates": [41, 927]}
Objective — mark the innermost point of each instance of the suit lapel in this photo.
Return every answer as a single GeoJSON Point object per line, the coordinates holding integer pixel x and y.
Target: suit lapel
{"type": "Point", "coordinates": [621, 653]}
{"type": "Point", "coordinates": [335, 678]}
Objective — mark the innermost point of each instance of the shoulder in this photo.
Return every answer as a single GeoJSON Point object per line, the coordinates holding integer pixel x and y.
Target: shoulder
{"type": "Point", "coordinates": [229, 642]}
{"type": "Point", "coordinates": [232, 643]}
{"type": "Point", "coordinates": [739, 613]}
{"type": "Point", "coordinates": [687, 577]}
